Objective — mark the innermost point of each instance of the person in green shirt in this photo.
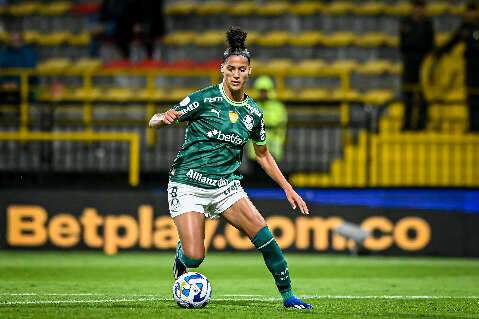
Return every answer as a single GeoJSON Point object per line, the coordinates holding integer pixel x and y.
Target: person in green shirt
{"type": "Point", "coordinates": [204, 178]}
{"type": "Point", "coordinates": [275, 119]}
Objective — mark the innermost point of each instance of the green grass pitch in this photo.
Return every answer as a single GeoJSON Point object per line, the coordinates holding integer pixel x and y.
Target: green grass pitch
{"type": "Point", "coordinates": [138, 285]}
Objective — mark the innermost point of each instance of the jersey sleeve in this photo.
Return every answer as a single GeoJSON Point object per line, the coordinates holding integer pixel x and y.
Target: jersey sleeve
{"type": "Point", "coordinates": [189, 107]}
{"type": "Point", "coordinates": [258, 134]}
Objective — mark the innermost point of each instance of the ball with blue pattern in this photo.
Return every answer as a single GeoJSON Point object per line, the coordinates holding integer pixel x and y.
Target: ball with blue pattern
{"type": "Point", "coordinates": [192, 290]}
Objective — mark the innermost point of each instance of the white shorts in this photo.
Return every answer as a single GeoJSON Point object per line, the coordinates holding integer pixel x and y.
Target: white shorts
{"type": "Point", "coordinates": [184, 198]}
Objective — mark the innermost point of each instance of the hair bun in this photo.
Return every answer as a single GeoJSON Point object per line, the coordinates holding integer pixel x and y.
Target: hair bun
{"type": "Point", "coordinates": [236, 38]}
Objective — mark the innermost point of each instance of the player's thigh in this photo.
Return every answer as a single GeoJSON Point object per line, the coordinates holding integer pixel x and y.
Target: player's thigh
{"type": "Point", "coordinates": [244, 216]}
{"type": "Point", "coordinates": [191, 229]}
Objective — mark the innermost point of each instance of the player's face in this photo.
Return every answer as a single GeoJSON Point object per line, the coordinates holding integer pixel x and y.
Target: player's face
{"type": "Point", "coordinates": [236, 71]}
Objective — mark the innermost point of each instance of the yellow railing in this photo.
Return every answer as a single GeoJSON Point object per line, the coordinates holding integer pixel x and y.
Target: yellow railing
{"type": "Point", "coordinates": [132, 138]}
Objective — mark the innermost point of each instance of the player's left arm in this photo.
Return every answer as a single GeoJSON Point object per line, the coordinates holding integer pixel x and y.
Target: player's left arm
{"type": "Point", "coordinates": [269, 165]}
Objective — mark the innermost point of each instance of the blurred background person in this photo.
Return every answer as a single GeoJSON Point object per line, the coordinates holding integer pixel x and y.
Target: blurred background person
{"type": "Point", "coordinates": [276, 120]}
{"type": "Point", "coordinates": [468, 33]}
{"type": "Point", "coordinates": [15, 54]}
{"type": "Point", "coordinates": [126, 22]}
{"type": "Point", "coordinates": [416, 42]}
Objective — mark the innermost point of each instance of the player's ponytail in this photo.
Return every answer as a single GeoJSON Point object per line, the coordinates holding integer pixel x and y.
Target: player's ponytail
{"type": "Point", "coordinates": [236, 40]}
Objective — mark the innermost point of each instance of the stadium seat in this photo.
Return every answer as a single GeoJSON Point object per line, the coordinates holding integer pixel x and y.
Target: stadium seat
{"type": "Point", "coordinates": [339, 39]}
{"type": "Point", "coordinates": [401, 8]}
{"type": "Point", "coordinates": [210, 38]}
{"type": "Point", "coordinates": [377, 97]}
{"type": "Point", "coordinates": [54, 8]}
{"type": "Point", "coordinates": [272, 8]}
{"type": "Point", "coordinates": [370, 8]}
{"type": "Point", "coordinates": [436, 8]}
{"type": "Point", "coordinates": [208, 8]}
{"type": "Point", "coordinates": [274, 39]}
{"type": "Point", "coordinates": [305, 8]}
{"type": "Point", "coordinates": [338, 8]}
{"type": "Point", "coordinates": [371, 40]}
{"type": "Point", "coordinates": [54, 65]}
{"type": "Point", "coordinates": [23, 8]}
{"type": "Point", "coordinates": [180, 8]}
{"type": "Point", "coordinates": [306, 39]}
{"type": "Point", "coordinates": [242, 8]}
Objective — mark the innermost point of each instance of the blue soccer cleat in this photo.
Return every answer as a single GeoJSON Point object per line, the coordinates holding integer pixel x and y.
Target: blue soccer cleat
{"type": "Point", "coordinates": [296, 303]}
{"type": "Point", "coordinates": [178, 267]}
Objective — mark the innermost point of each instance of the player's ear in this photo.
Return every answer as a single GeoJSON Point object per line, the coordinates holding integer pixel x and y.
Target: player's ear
{"type": "Point", "coordinates": [222, 68]}
{"type": "Point", "coordinates": [249, 70]}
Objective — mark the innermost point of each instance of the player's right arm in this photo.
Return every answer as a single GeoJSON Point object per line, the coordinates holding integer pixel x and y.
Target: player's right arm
{"type": "Point", "coordinates": [161, 119]}
{"type": "Point", "coordinates": [187, 110]}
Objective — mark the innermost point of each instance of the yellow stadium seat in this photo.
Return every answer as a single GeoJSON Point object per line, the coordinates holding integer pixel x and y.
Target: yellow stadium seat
{"type": "Point", "coordinates": [396, 111]}
{"type": "Point", "coordinates": [272, 8]}
{"type": "Point", "coordinates": [313, 94]}
{"type": "Point", "coordinates": [401, 8]}
{"type": "Point", "coordinates": [85, 65]}
{"type": "Point", "coordinates": [3, 36]}
{"type": "Point", "coordinates": [343, 65]}
{"type": "Point", "coordinates": [349, 95]}
{"type": "Point", "coordinates": [31, 36]}
{"type": "Point", "coordinates": [54, 8]}
{"type": "Point", "coordinates": [377, 97]}
{"type": "Point", "coordinates": [441, 38]}
{"type": "Point", "coordinates": [83, 94]}
{"type": "Point", "coordinates": [180, 38]}
{"type": "Point", "coordinates": [395, 68]}
{"type": "Point", "coordinates": [180, 8]}
{"type": "Point", "coordinates": [288, 95]}
{"type": "Point", "coordinates": [436, 8]}
{"type": "Point", "coordinates": [117, 95]}
{"type": "Point", "coordinates": [374, 67]}
{"type": "Point", "coordinates": [23, 8]}
{"type": "Point", "coordinates": [307, 39]}
{"type": "Point", "coordinates": [338, 8]}
{"type": "Point", "coordinates": [210, 38]}
{"type": "Point", "coordinates": [274, 67]}
{"type": "Point", "coordinates": [54, 65]}
{"type": "Point", "coordinates": [370, 8]}
{"type": "Point", "coordinates": [391, 41]}
{"type": "Point", "coordinates": [274, 39]}
{"type": "Point", "coordinates": [308, 68]}
{"type": "Point", "coordinates": [53, 39]}
{"type": "Point", "coordinates": [457, 9]}
{"type": "Point", "coordinates": [305, 8]}
{"type": "Point", "coordinates": [339, 39]}
{"type": "Point", "coordinates": [178, 94]}
{"type": "Point", "coordinates": [371, 40]}
{"type": "Point", "coordinates": [252, 37]}
{"type": "Point", "coordinates": [211, 8]}
{"type": "Point", "coordinates": [242, 8]}
{"type": "Point", "coordinates": [151, 95]}
{"type": "Point", "coordinates": [80, 39]}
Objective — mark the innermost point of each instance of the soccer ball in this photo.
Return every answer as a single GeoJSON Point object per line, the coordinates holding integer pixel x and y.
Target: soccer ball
{"type": "Point", "coordinates": [192, 290]}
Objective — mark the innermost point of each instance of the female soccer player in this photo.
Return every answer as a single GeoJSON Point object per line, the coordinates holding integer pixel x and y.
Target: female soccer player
{"type": "Point", "coordinates": [204, 178]}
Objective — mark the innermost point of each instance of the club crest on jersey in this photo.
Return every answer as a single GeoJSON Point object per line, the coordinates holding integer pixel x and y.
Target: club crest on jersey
{"type": "Point", "coordinates": [233, 117]}
{"type": "Point", "coordinates": [248, 122]}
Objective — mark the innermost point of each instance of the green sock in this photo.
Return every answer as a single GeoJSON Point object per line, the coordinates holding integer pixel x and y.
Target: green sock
{"type": "Point", "coordinates": [274, 260]}
{"type": "Point", "coordinates": [187, 261]}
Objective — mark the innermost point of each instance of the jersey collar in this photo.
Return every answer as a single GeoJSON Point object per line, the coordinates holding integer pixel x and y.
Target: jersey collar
{"type": "Point", "coordinates": [223, 93]}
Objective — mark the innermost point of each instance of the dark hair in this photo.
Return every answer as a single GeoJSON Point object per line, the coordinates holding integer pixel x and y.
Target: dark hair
{"type": "Point", "coordinates": [236, 40]}
{"type": "Point", "coordinates": [471, 6]}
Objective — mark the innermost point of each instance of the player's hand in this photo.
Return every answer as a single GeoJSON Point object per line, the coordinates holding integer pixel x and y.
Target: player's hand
{"type": "Point", "coordinates": [296, 201]}
{"type": "Point", "coordinates": [168, 118]}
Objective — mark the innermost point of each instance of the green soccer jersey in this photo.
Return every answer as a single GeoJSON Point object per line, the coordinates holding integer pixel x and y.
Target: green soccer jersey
{"type": "Point", "coordinates": [217, 130]}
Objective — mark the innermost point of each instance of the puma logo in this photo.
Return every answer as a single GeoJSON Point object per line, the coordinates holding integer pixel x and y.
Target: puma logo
{"type": "Point", "coordinates": [216, 112]}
